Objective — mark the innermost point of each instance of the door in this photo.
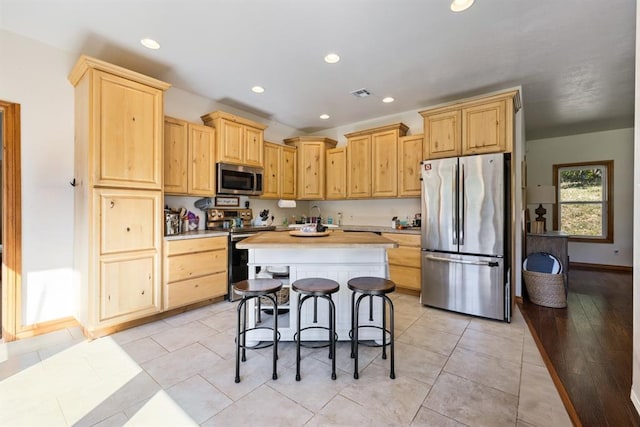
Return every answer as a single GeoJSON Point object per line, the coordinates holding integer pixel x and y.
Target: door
{"type": "Point", "coordinates": [465, 284]}
{"type": "Point", "coordinates": [439, 205]}
{"type": "Point", "coordinates": [481, 204]}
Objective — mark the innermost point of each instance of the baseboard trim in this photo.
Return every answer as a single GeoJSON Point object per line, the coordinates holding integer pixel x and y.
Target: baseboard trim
{"type": "Point", "coordinates": [634, 399]}
{"type": "Point", "coordinates": [46, 327]}
{"type": "Point", "coordinates": [600, 267]}
{"type": "Point", "coordinates": [101, 332]}
{"type": "Point", "coordinates": [408, 291]}
{"type": "Point", "coordinates": [562, 391]}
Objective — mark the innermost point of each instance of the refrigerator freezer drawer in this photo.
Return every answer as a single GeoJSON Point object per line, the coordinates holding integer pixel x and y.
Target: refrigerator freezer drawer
{"type": "Point", "coordinates": [466, 284]}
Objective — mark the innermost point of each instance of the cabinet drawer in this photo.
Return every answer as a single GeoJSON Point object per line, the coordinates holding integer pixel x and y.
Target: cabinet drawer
{"type": "Point", "coordinates": [175, 247]}
{"type": "Point", "coordinates": [405, 277]}
{"type": "Point", "coordinates": [188, 266]}
{"type": "Point", "coordinates": [194, 290]}
{"type": "Point", "coordinates": [403, 256]}
{"type": "Point", "coordinates": [404, 239]}
{"type": "Point", "coordinates": [128, 220]}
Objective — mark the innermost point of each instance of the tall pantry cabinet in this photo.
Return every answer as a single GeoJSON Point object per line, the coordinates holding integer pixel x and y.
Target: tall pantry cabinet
{"type": "Point", "coordinates": [118, 194]}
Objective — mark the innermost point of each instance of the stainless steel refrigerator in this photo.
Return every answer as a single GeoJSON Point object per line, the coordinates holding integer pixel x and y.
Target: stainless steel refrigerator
{"type": "Point", "coordinates": [465, 235]}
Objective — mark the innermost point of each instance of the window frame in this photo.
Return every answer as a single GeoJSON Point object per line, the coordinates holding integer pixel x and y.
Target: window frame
{"type": "Point", "coordinates": [608, 202]}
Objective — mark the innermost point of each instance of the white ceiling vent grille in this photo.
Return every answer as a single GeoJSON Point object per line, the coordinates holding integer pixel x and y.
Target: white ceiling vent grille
{"type": "Point", "coordinates": [361, 93]}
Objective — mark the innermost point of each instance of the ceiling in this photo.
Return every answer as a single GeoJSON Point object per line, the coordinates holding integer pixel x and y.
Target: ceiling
{"type": "Point", "coordinates": [573, 58]}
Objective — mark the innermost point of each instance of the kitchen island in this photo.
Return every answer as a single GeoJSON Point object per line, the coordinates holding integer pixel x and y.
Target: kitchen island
{"type": "Point", "coordinates": [336, 256]}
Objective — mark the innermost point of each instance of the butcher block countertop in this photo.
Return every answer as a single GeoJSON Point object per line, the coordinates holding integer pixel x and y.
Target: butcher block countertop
{"type": "Point", "coordinates": [282, 239]}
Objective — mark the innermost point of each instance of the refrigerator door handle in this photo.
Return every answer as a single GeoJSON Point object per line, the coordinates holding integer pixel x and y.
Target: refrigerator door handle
{"type": "Point", "coordinates": [454, 213]}
{"type": "Point", "coordinates": [462, 261]}
{"type": "Point", "coordinates": [463, 196]}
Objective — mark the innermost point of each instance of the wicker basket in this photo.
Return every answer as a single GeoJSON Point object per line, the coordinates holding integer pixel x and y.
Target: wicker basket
{"type": "Point", "coordinates": [545, 289]}
{"type": "Point", "coordinates": [282, 298]}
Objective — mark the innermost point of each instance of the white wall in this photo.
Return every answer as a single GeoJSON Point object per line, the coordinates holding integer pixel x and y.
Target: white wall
{"type": "Point", "coordinates": [616, 145]}
{"type": "Point", "coordinates": [635, 391]}
{"type": "Point", "coordinates": [35, 76]}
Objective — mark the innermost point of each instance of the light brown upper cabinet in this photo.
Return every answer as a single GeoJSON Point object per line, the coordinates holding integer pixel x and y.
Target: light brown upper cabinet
{"type": "Point", "coordinates": [359, 166]}
{"type": "Point", "coordinates": [125, 127]}
{"type": "Point", "coordinates": [336, 176]}
{"type": "Point", "coordinates": [372, 161]}
{"type": "Point", "coordinates": [239, 141]}
{"type": "Point", "coordinates": [477, 126]}
{"type": "Point", "coordinates": [409, 158]}
{"type": "Point", "coordinates": [311, 153]}
{"type": "Point", "coordinates": [189, 158]}
{"type": "Point", "coordinates": [118, 203]}
{"type": "Point", "coordinates": [279, 171]}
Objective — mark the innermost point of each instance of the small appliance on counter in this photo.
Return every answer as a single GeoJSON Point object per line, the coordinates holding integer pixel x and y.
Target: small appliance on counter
{"type": "Point", "coordinates": [171, 222]}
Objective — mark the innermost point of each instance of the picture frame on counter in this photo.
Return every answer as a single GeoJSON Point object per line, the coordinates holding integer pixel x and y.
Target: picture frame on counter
{"type": "Point", "coordinates": [228, 201]}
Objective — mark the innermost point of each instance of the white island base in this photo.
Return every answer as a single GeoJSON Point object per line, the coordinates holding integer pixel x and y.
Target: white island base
{"type": "Point", "coordinates": [339, 263]}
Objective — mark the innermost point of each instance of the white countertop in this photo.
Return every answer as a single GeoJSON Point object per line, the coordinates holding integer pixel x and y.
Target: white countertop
{"type": "Point", "coordinates": [198, 234]}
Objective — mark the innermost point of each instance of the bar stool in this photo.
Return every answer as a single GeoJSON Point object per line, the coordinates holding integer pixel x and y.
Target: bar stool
{"type": "Point", "coordinates": [317, 288]}
{"type": "Point", "coordinates": [249, 289]}
{"type": "Point", "coordinates": [372, 287]}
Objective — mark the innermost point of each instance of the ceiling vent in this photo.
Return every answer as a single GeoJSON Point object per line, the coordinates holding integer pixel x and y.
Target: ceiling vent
{"type": "Point", "coordinates": [361, 93]}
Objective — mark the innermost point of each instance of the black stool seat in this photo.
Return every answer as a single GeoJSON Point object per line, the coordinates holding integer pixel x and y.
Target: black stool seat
{"type": "Point", "coordinates": [257, 287]}
{"type": "Point", "coordinates": [316, 287]}
{"type": "Point", "coordinates": [371, 285]}
{"type": "Point", "coordinates": [249, 289]}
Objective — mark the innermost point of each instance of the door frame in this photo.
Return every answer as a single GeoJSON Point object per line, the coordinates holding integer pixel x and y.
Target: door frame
{"type": "Point", "coordinates": [11, 222]}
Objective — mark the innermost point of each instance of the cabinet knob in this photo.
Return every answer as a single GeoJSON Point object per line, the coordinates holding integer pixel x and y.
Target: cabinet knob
{"type": "Point", "coordinates": [143, 292]}
{"type": "Point", "coordinates": [128, 229]}
{"type": "Point", "coordinates": [112, 204]}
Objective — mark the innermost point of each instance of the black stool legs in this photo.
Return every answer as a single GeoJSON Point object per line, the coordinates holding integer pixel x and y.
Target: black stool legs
{"type": "Point", "coordinates": [316, 287]}
{"type": "Point", "coordinates": [249, 289]}
{"type": "Point", "coordinates": [372, 287]}
{"type": "Point", "coordinates": [332, 331]}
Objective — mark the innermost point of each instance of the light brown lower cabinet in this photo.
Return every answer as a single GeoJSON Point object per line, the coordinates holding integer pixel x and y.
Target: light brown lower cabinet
{"type": "Point", "coordinates": [194, 270]}
{"type": "Point", "coordinates": [404, 261]}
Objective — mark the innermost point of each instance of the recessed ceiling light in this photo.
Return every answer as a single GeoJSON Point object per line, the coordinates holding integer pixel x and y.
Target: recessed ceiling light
{"type": "Point", "coordinates": [388, 99]}
{"type": "Point", "coordinates": [332, 58]}
{"type": "Point", "coordinates": [324, 116]}
{"type": "Point", "coordinates": [258, 89]}
{"type": "Point", "coordinates": [460, 5]}
{"type": "Point", "coordinates": [150, 43]}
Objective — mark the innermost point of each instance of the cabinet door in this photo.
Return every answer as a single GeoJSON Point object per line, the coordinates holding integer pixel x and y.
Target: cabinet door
{"type": "Point", "coordinates": [359, 166]}
{"type": "Point", "coordinates": [129, 220]}
{"type": "Point", "coordinates": [202, 162]}
{"type": "Point", "coordinates": [311, 171]}
{"type": "Point", "coordinates": [175, 156]}
{"type": "Point", "coordinates": [253, 144]}
{"type": "Point", "coordinates": [129, 287]}
{"type": "Point", "coordinates": [442, 135]}
{"type": "Point", "coordinates": [409, 158]}
{"type": "Point", "coordinates": [271, 171]}
{"type": "Point", "coordinates": [384, 160]}
{"type": "Point", "coordinates": [336, 175]}
{"type": "Point", "coordinates": [288, 169]}
{"type": "Point", "coordinates": [484, 128]}
{"type": "Point", "coordinates": [230, 144]}
{"type": "Point", "coordinates": [128, 132]}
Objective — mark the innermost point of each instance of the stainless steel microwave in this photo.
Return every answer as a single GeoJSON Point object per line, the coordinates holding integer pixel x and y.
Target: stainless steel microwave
{"type": "Point", "coordinates": [238, 179]}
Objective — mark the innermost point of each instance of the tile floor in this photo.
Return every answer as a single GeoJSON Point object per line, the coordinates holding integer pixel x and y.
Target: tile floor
{"type": "Point", "coordinates": [451, 370]}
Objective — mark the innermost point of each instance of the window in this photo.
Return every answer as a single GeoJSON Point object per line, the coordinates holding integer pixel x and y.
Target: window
{"type": "Point", "coordinates": [584, 209]}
